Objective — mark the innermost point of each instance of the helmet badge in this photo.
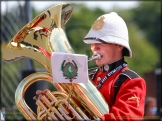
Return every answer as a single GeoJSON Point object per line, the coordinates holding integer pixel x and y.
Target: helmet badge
{"type": "Point", "coordinates": [98, 24]}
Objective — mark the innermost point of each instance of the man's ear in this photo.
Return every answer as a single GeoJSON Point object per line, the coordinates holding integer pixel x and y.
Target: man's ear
{"type": "Point", "coordinates": [119, 47]}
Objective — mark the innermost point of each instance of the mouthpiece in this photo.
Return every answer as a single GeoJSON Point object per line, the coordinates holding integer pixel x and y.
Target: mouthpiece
{"type": "Point", "coordinates": [95, 57]}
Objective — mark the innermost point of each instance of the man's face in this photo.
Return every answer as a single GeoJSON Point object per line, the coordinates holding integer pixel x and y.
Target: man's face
{"type": "Point", "coordinates": [109, 53]}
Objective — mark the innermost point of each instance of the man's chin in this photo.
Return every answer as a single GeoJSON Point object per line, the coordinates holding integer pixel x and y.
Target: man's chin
{"type": "Point", "coordinates": [99, 63]}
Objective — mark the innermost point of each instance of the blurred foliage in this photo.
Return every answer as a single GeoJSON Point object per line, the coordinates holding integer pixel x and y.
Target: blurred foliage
{"type": "Point", "coordinates": [144, 54]}
{"type": "Point", "coordinates": [148, 17]}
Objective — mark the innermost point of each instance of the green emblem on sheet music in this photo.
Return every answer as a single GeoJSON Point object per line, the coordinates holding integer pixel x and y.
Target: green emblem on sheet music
{"type": "Point", "coordinates": [69, 69]}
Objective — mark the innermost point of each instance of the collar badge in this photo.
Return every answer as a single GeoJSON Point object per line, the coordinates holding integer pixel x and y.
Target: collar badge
{"type": "Point", "coordinates": [106, 67]}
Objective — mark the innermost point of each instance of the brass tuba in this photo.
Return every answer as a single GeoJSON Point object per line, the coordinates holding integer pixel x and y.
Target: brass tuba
{"type": "Point", "coordinates": [37, 40]}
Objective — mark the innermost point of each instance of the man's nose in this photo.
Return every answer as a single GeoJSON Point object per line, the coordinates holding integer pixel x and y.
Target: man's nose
{"type": "Point", "coordinates": [95, 47]}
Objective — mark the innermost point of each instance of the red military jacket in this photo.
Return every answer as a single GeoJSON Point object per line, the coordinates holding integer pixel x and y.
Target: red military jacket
{"type": "Point", "coordinates": [129, 102]}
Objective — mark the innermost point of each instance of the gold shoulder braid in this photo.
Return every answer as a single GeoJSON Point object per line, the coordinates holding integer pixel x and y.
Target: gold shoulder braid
{"type": "Point", "coordinates": [98, 24]}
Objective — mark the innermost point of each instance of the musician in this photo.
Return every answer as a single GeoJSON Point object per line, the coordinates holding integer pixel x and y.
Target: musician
{"type": "Point", "coordinates": [123, 89]}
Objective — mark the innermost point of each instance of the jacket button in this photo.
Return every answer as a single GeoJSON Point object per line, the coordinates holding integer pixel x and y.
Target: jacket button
{"type": "Point", "coordinates": [99, 79]}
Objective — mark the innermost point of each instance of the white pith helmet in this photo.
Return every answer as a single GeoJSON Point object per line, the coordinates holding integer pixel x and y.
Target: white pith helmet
{"type": "Point", "coordinates": [110, 28]}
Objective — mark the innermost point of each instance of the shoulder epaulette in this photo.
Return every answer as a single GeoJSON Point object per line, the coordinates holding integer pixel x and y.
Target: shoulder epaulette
{"type": "Point", "coordinates": [130, 74]}
{"type": "Point", "coordinates": [122, 77]}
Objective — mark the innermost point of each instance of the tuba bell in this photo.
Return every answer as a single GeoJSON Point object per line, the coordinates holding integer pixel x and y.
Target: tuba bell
{"type": "Point", "coordinates": [37, 40]}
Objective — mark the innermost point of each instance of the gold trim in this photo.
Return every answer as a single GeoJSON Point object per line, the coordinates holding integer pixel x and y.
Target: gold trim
{"type": "Point", "coordinates": [135, 98]}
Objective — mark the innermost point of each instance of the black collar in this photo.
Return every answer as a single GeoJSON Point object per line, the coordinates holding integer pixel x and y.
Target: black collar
{"type": "Point", "coordinates": [110, 67]}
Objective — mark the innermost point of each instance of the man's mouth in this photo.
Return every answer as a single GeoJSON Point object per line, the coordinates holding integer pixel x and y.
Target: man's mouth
{"type": "Point", "coordinates": [100, 56]}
